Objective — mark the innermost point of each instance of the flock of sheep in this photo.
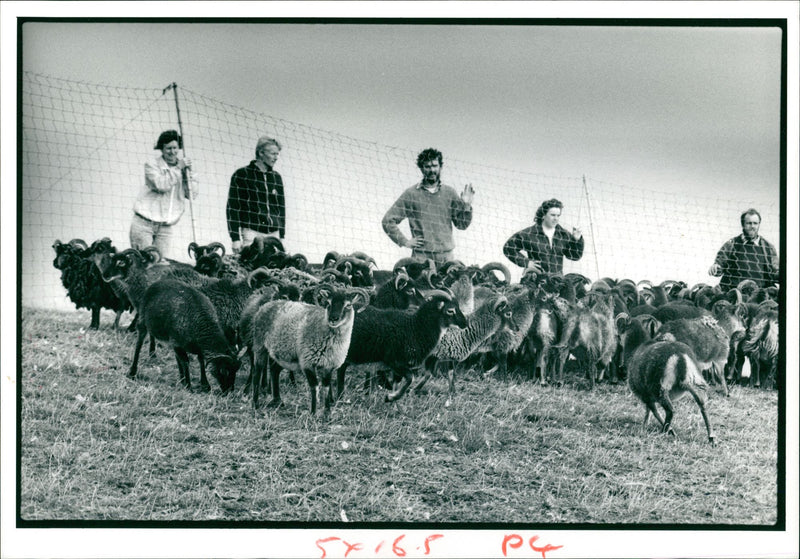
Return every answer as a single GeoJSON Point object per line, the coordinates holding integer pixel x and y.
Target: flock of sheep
{"type": "Point", "coordinates": [408, 323]}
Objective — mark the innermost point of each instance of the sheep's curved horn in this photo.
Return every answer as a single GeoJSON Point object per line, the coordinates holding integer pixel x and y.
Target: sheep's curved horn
{"type": "Point", "coordinates": [650, 323]}
{"type": "Point", "coordinates": [499, 267]}
{"type": "Point", "coordinates": [256, 274]}
{"type": "Point", "coordinates": [426, 277]}
{"type": "Point", "coordinates": [331, 258]}
{"type": "Point", "coordinates": [502, 300]}
{"type": "Point", "coordinates": [128, 253]}
{"type": "Point", "coordinates": [401, 277]}
{"type": "Point", "coordinates": [747, 286]}
{"type": "Point", "coordinates": [299, 261]}
{"type": "Point", "coordinates": [79, 242]}
{"type": "Point", "coordinates": [343, 260]}
{"type": "Point", "coordinates": [644, 283]}
{"type": "Point", "coordinates": [365, 257]}
{"type": "Point", "coordinates": [216, 245]}
{"type": "Point", "coordinates": [272, 242]}
{"type": "Point", "coordinates": [405, 262]}
{"type": "Point", "coordinates": [446, 293]}
{"type": "Point", "coordinates": [193, 250]}
{"type": "Point", "coordinates": [622, 320]}
{"type": "Point", "coordinates": [335, 275]}
{"type": "Point", "coordinates": [360, 298]}
{"type": "Point", "coordinates": [152, 254]}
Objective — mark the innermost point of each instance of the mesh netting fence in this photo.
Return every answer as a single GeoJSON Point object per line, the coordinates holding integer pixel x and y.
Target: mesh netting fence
{"type": "Point", "coordinates": [84, 147]}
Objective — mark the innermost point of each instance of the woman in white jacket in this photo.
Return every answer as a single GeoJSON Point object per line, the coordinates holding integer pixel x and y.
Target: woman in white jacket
{"type": "Point", "coordinates": [167, 182]}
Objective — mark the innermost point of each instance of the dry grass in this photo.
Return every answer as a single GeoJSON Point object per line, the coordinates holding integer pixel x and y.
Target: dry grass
{"type": "Point", "coordinates": [98, 446]}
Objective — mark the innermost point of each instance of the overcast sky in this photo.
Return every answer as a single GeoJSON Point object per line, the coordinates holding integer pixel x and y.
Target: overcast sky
{"type": "Point", "coordinates": [687, 109]}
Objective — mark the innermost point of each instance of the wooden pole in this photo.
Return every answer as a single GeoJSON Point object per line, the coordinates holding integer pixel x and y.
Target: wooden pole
{"type": "Point", "coordinates": [174, 87]}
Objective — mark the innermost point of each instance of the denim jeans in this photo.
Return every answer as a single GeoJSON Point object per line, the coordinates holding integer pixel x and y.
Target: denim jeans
{"type": "Point", "coordinates": [145, 233]}
{"type": "Point", "coordinates": [249, 235]}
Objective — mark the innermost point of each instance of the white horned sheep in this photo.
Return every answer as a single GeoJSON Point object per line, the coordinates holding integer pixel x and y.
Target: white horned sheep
{"type": "Point", "coordinates": [303, 337]}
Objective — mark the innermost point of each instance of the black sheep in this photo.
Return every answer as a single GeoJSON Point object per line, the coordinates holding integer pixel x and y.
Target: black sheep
{"type": "Point", "coordinates": [402, 340]}
{"type": "Point", "coordinates": [178, 314]}
{"type": "Point", "coordinates": [83, 281]}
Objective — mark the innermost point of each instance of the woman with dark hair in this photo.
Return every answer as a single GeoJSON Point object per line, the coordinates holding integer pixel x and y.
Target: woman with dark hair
{"type": "Point", "coordinates": [167, 182]}
{"type": "Point", "coordinates": [543, 246]}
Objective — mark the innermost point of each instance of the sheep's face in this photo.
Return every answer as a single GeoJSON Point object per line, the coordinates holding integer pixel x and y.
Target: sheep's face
{"type": "Point", "coordinates": [224, 370]}
{"type": "Point", "coordinates": [209, 265]}
{"type": "Point", "coordinates": [451, 314]}
{"type": "Point", "coordinates": [339, 305]}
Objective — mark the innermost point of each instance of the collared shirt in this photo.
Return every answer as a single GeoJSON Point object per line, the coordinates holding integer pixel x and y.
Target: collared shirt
{"type": "Point", "coordinates": [161, 198]}
{"type": "Point", "coordinates": [534, 242]}
{"type": "Point", "coordinates": [431, 216]}
{"type": "Point", "coordinates": [741, 258]}
{"type": "Point", "coordinates": [256, 201]}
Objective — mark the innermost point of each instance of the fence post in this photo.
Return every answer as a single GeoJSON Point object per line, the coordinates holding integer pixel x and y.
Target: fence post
{"type": "Point", "coordinates": [591, 227]}
{"type": "Point", "coordinates": [174, 87]}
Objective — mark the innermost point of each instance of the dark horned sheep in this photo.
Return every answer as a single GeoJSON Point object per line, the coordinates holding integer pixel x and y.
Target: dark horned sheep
{"type": "Point", "coordinates": [402, 340]}
{"type": "Point", "coordinates": [180, 315]}
{"type": "Point", "coordinates": [83, 281]}
{"type": "Point", "coordinates": [660, 372]}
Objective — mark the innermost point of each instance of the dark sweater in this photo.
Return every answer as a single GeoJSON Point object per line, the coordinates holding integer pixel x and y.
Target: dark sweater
{"type": "Point", "coordinates": [534, 242]}
{"type": "Point", "coordinates": [741, 259]}
{"type": "Point", "coordinates": [256, 201]}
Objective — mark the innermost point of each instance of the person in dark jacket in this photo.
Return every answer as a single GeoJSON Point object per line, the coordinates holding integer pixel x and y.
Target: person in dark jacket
{"type": "Point", "coordinates": [543, 246]}
{"type": "Point", "coordinates": [256, 203]}
{"type": "Point", "coordinates": [746, 256]}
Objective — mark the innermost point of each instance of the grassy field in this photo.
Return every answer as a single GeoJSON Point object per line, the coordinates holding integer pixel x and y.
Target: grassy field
{"type": "Point", "coordinates": [99, 446]}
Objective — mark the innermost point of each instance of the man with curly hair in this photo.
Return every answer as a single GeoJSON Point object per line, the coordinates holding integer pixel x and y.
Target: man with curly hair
{"type": "Point", "coordinates": [432, 208]}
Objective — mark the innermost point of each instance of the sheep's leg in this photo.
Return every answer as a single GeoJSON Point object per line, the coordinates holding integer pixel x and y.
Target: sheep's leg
{"type": "Point", "coordinates": [136, 351]}
{"type": "Point", "coordinates": [755, 372]}
{"type": "Point", "coordinates": [249, 380]}
{"type": "Point", "coordinates": [429, 367]}
{"type": "Point", "coordinates": [257, 374]}
{"type": "Point", "coordinates": [719, 377]}
{"type": "Point", "coordinates": [502, 363]}
{"type": "Point", "coordinates": [132, 325]}
{"type": "Point", "coordinates": [562, 354]}
{"type": "Point", "coordinates": [327, 389]}
{"type": "Point", "coordinates": [95, 325]}
{"type": "Point", "coordinates": [340, 372]}
{"type": "Point", "coordinates": [666, 403]}
{"type": "Point", "coordinates": [183, 367]}
{"type": "Point", "coordinates": [274, 382]}
{"type": "Point", "coordinates": [204, 386]}
{"type": "Point", "coordinates": [591, 370]}
{"type": "Point", "coordinates": [408, 376]}
{"type": "Point", "coordinates": [312, 387]}
{"type": "Point", "coordinates": [650, 407]}
{"type": "Point", "coordinates": [701, 403]}
{"type": "Point", "coordinates": [117, 316]}
{"type": "Point", "coordinates": [451, 383]}
{"type": "Point", "coordinates": [152, 353]}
